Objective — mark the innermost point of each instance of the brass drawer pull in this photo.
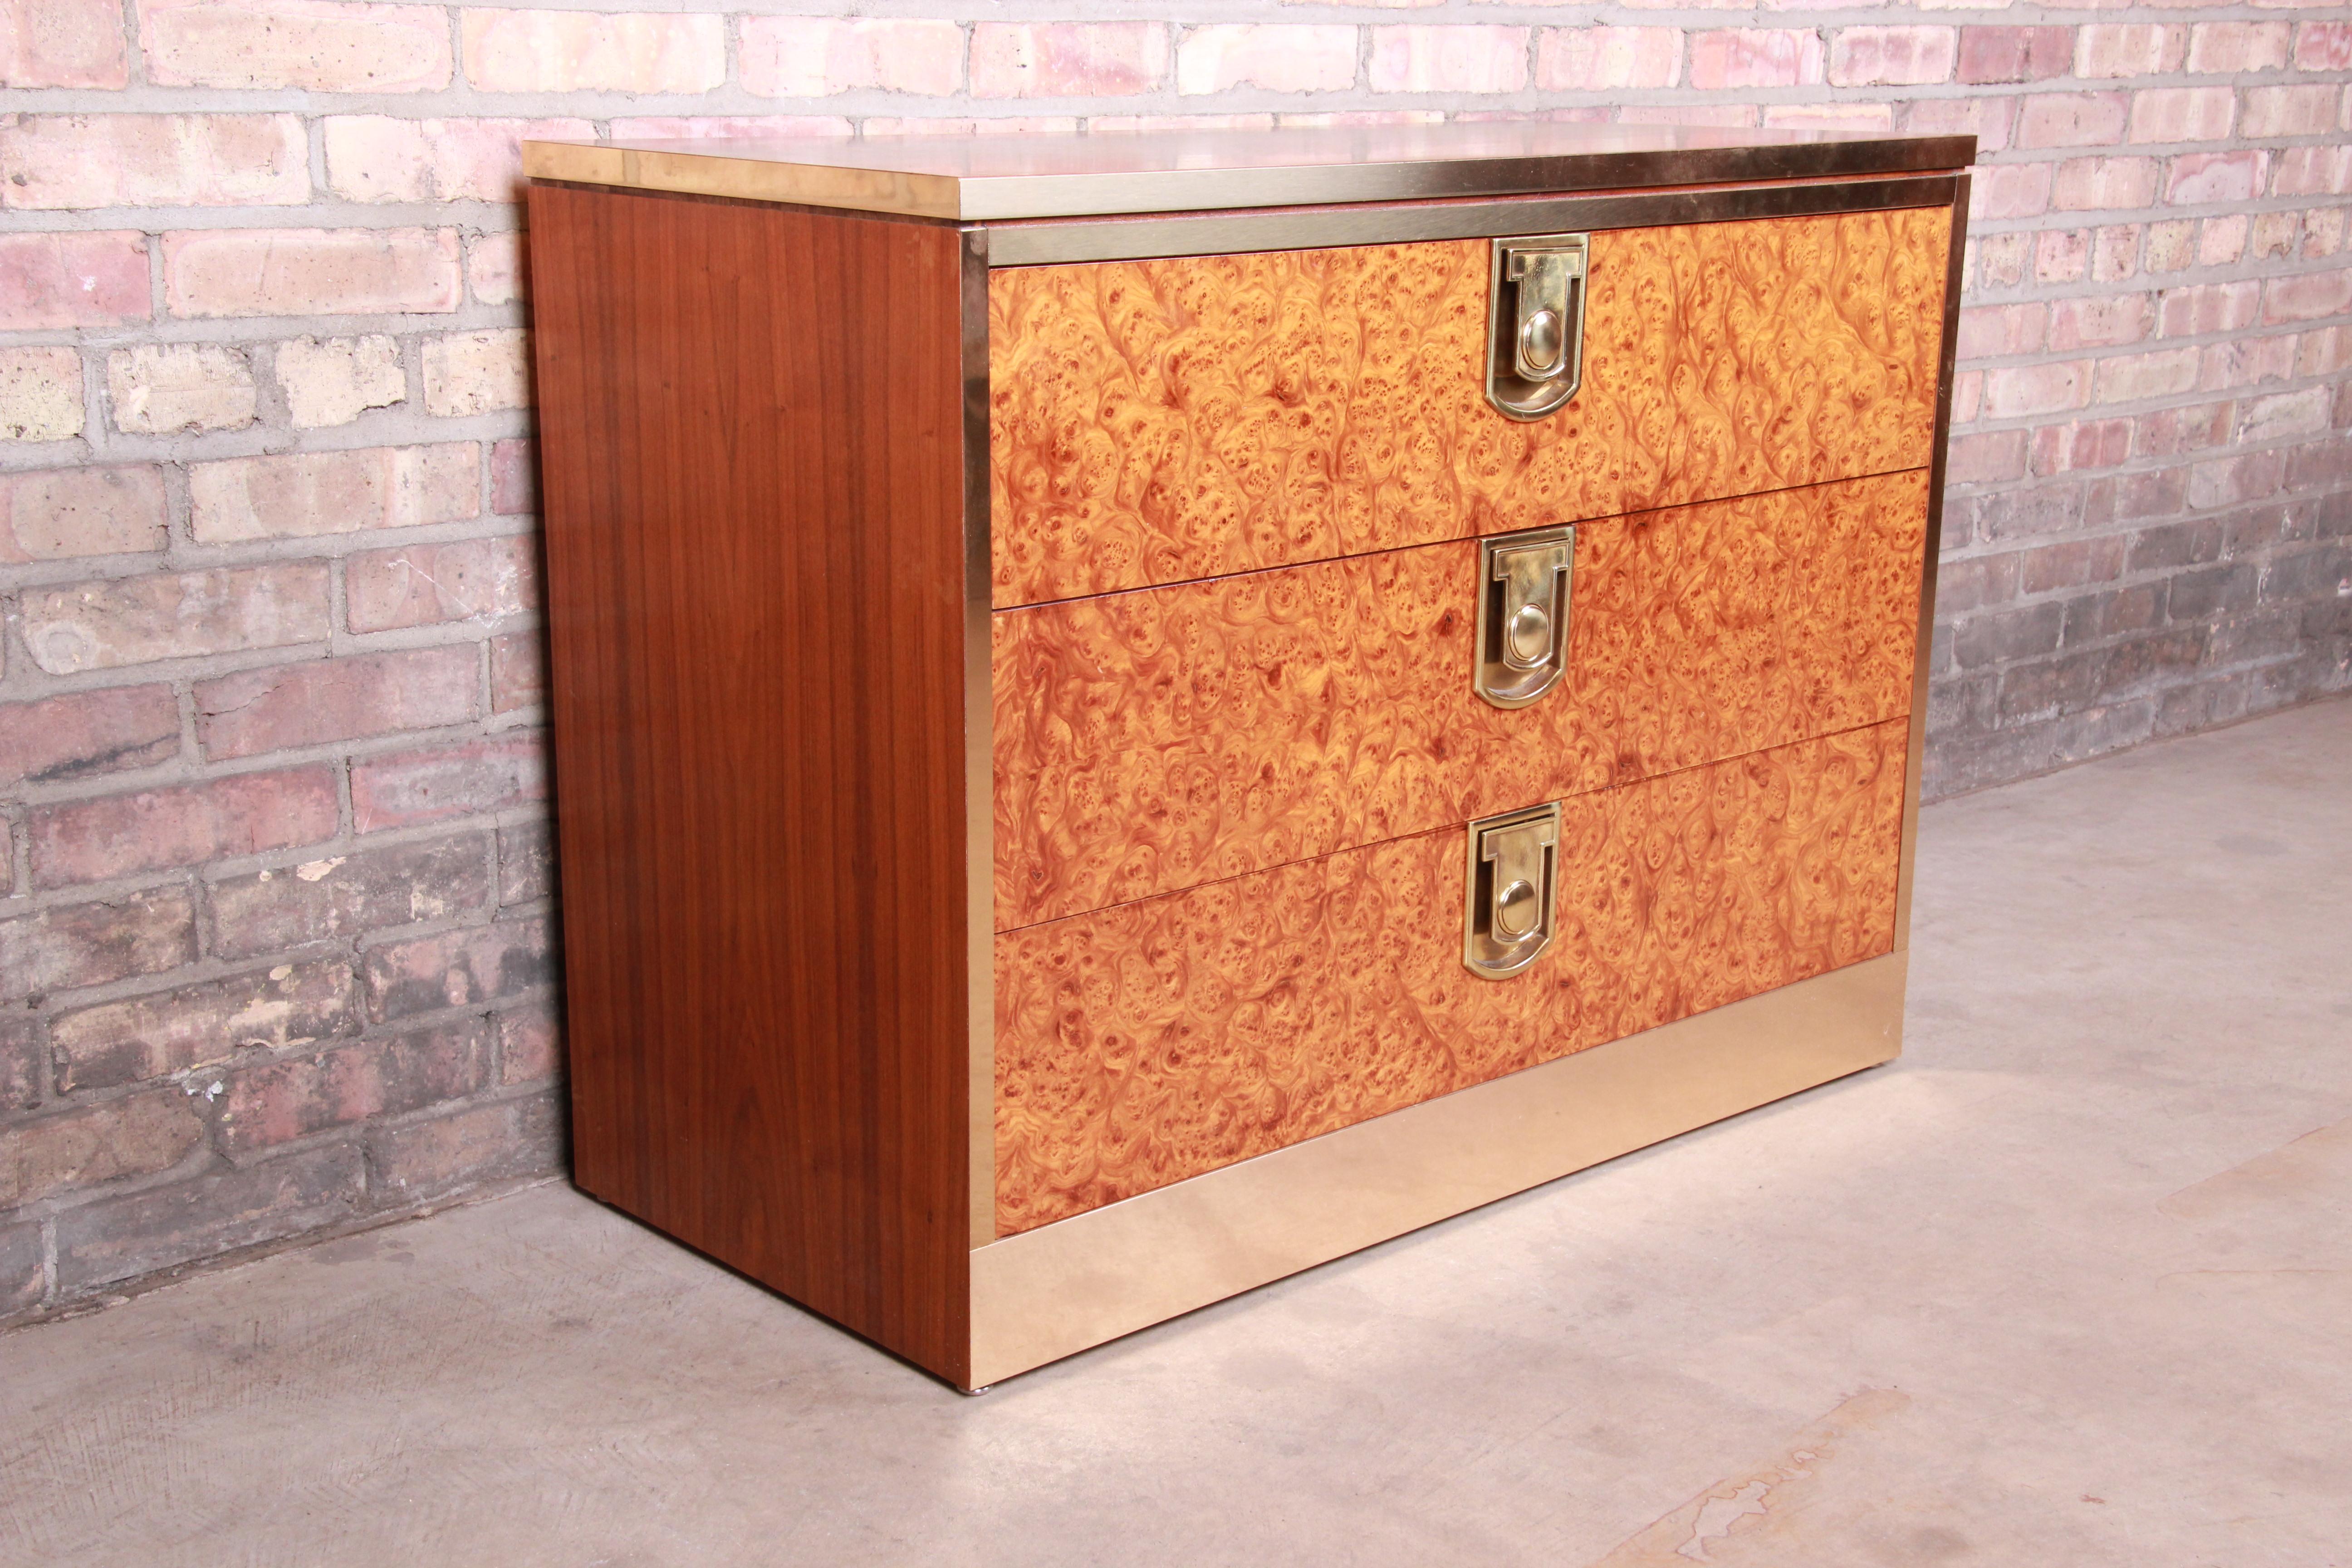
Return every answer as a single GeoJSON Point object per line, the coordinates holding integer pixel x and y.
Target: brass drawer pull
{"type": "Point", "coordinates": [1524, 586]}
{"type": "Point", "coordinates": [1513, 865]}
{"type": "Point", "coordinates": [1535, 323]}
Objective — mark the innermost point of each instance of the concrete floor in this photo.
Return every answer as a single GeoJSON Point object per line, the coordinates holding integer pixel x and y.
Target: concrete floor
{"type": "Point", "coordinates": [2070, 1284]}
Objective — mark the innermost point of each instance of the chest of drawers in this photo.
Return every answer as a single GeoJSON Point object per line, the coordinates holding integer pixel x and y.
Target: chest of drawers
{"type": "Point", "coordinates": [1136, 713]}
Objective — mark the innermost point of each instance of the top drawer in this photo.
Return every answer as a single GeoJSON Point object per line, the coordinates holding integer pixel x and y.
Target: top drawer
{"type": "Point", "coordinates": [1155, 422]}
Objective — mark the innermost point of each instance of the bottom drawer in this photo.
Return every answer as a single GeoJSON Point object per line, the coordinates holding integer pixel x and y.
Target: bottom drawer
{"type": "Point", "coordinates": [1141, 1044]}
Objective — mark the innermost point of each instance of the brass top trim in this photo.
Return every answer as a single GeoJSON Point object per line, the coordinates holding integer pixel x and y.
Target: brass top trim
{"type": "Point", "coordinates": [990, 178]}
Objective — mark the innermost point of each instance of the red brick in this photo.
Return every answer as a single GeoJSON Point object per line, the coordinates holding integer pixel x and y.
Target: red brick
{"type": "Point", "coordinates": [1067, 60]}
{"type": "Point", "coordinates": [56, 514]}
{"type": "Point", "coordinates": [1985, 119]}
{"type": "Point", "coordinates": [1872, 117]}
{"type": "Point", "coordinates": [173, 389]}
{"type": "Point", "coordinates": [333, 492]}
{"type": "Point", "coordinates": [310, 271]}
{"type": "Point", "coordinates": [1869, 57]}
{"type": "Point", "coordinates": [390, 158]}
{"type": "Point", "coordinates": [1988, 458]}
{"type": "Point", "coordinates": [526, 862]}
{"type": "Point", "coordinates": [2074, 120]}
{"type": "Point", "coordinates": [318, 700]}
{"type": "Point", "coordinates": [62, 43]}
{"type": "Point", "coordinates": [531, 1046]}
{"type": "Point", "coordinates": [731, 127]}
{"type": "Point", "coordinates": [2106, 322]}
{"type": "Point", "coordinates": [2301, 110]}
{"type": "Point", "coordinates": [170, 1032]}
{"type": "Point", "coordinates": [2114, 252]}
{"type": "Point", "coordinates": [2231, 47]}
{"type": "Point", "coordinates": [406, 788]}
{"type": "Point", "coordinates": [40, 394]}
{"type": "Point", "coordinates": [23, 1278]}
{"type": "Point", "coordinates": [1993, 330]}
{"type": "Point", "coordinates": [2009, 190]}
{"type": "Point", "coordinates": [2128, 48]}
{"type": "Point", "coordinates": [1603, 59]}
{"type": "Point", "coordinates": [2197, 178]}
{"type": "Point", "coordinates": [346, 895]}
{"type": "Point", "coordinates": [2309, 298]}
{"type": "Point", "coordinates": [60, 160]}
{"type": "Point", "coordinates": [428, 585]}
{"type": "Point", "coordinates": [52, 281]}
{"type": "Point", "coordinates": [514, 478]}
{"type": "Point", "coordinates": [217, 1212]}
{"type": "Point", "coordinates": [2324, 47]}
{"type": "Point", "coordinates": [2183, 114]}
{"type": "Point", "coordinates": [2313, 170]}
{"type": "Point", "coordinates": [518, 672]}
{"type": "Point", "coordinates": [1753, 56]}
{"type": "Point", "coordinates": [816, 57]}
{"type": "Point", "coordinates": [71, 1150]}
{"type": "Point", "coordinates": [2062, 255]}
{"type": "Point", "coordinates": [501, 1141]}
{"type": "Point", "coordinates": [2169, 432]}
{"type": "Point", "coordinates": [134, 620]}
{"type": "Point", "coordinates": [69, 945]}
{"type": "Point", "coordinates": [23, 1060]}
{"type": "Point", "coordinates": [2015, 54]}
{"type": "Point", "coordinates": [585, 51]}
{"type": "Point", "coordinates": [463, 968]}
{"type": "Point", "coordinates": [2089, 185]}
{"type": "Point", "coordinates": [2037, 389]}
{"type": "Point", "coordinates": [2126, 378]}
{"type": "Point", "coordinates": [2063, 448]}
{"type": "Point", "coordinates": [277, 1103]}
{"type": "Point", "coordinates": [185, 825]}
{"type": "Point", "coordinates": [315, 46]}
{"type": "Point", "coordinates": [2210, 308]}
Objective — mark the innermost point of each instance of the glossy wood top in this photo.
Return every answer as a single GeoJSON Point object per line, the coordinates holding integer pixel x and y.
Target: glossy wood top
{"type": "Point", "coordinates": [1045, 176]}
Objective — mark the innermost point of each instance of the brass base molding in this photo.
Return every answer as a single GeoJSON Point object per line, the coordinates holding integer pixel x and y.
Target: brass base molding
{"type": "Point", "coordinates": [1079, 1282]}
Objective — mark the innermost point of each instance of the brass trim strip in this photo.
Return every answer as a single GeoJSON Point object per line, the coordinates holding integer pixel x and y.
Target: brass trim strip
{"type": "Point", "coordinates": [1051, 1292]}
{"type": "Point", "coordinates": [1220, 234]}
{"type": "Point", "coordinates": [999, 178]}
{"type": "Point", "coordinates": [979, 751]}
{"type": "Point", "coordinates": [1916, 754]}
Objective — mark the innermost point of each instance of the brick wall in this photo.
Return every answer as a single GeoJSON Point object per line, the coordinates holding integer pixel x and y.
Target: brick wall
{"type": "Point", "coordinates": [275, 956]}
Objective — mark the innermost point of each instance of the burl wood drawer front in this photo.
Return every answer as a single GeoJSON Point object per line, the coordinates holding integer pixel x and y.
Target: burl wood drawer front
{"type": "Point", "coordinates": [1158, 421]}
{"type": "Point", "coordinates": [1141, 1044]}
{"type": "Point", "coordinates": [1151, 741]}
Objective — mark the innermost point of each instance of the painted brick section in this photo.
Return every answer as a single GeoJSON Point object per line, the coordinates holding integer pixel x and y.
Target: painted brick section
{"type": "Point", "coordinates": [305, 704]}
{"type": "Point", "coordinates": [268, 490]}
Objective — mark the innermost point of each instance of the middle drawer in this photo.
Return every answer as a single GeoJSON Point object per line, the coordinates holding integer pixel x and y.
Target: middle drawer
{"type": "Point", "coordinates": [1152, 741]}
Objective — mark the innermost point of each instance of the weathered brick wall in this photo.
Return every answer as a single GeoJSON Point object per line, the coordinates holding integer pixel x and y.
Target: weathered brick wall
{"type": "Point", "coordinates": [276, 948]}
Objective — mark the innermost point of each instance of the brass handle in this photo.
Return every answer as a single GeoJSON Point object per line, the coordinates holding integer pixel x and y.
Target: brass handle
{"type": "Point", "coordinates": [1524, 587]}
{"type": "Point", "coordinates": [1514, 869]}
{"type": "Point", "coordinates": [1535, 323]}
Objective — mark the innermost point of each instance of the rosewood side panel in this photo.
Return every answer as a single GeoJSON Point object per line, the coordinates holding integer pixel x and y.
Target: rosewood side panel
{"type": "Point", "coordinates": [754, 498]}
{"type": "Point", "coordinates": [1141, 1044]}
{"type": "Point", "coordinates": [1159, 421]}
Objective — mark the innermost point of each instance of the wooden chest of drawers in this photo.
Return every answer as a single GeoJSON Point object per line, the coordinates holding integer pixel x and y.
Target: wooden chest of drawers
{"type": "Point", "coordinates": [1134, 714]}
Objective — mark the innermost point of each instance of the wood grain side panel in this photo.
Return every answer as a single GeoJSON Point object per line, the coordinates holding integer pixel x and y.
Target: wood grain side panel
{"type": "Point", "coordinates": [1158, 421]}
{"type": "Point", "coordinates": [1144, 1044]}
{"type": "Point", "coordinates": [1151, 741]}
{"type": "Point", "coordinates": [752, 437]}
